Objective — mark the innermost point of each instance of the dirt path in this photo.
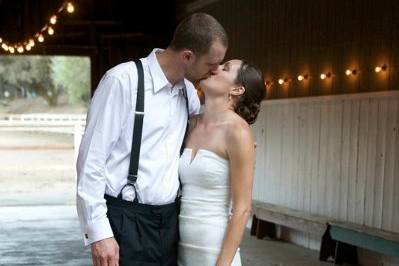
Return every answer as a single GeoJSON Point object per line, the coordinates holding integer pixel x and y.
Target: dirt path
{"type": "Point", "coordinates": [36, 168]}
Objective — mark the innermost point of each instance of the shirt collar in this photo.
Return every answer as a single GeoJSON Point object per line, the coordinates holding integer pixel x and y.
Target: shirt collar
{"type": "Point", "coordinates": [158, 76]}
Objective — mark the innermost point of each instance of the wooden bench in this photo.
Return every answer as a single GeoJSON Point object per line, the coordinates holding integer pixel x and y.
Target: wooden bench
{"type": "Point", "coordinates": [339, 240]}
{"type": "Point", "coordinates": [343, 238]}
{"type": "Point", "coordinates": [266, 216]}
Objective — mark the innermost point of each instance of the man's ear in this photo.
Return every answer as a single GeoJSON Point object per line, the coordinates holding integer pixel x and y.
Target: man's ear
{"type": "Point", "coordinates": [188, 56]}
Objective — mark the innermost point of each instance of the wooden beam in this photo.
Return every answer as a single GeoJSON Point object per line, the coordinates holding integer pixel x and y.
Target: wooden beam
{"type": "Point", "coordinates": [123, 35]}
{"type": "Point", "coordinates": [91, 23]}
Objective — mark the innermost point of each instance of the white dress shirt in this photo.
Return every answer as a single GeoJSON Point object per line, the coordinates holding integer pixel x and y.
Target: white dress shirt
{"type": "Point", "coordinates": [104, 154]}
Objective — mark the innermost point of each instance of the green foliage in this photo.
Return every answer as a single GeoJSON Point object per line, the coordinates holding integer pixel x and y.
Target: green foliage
{"type": "Point", "coordinates": [73, 74]}
{"type": "Point", "coordinates": [48, 76]}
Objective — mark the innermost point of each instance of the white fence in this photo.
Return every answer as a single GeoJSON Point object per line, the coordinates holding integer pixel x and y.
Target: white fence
{"type": "Point", "coordinates": [71, 124]}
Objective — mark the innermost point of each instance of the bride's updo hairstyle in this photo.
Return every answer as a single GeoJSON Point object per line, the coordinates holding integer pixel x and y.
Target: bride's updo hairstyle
{"type": "Point", "coordinates": [248, 104]}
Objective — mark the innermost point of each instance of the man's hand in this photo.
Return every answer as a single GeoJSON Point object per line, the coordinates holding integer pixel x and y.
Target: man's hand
{"type": "Point", "coordinates": [105, 252]}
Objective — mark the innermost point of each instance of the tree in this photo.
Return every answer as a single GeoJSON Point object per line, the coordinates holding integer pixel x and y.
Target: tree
{"type": "Point", "coordinates": [33, 72]}
{"type": "Point", "coordinates": [73, 74]}
{"type": "Point", "coordinates": [48, 76]}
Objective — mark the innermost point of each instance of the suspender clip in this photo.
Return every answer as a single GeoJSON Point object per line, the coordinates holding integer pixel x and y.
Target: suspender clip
{"type": "Point", "coordinates": [131, 179]}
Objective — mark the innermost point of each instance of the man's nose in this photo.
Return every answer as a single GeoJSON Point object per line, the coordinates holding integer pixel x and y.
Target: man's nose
{"type": "Point", "coordinates": [215, 70]}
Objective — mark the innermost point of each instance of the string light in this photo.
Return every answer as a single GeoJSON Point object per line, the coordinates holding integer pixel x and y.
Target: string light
{"type": "Point", "coordinates": [303, 77]}
{"type": "Point", "coordinates": [70, 8]}
{"type": "Point", "coordinates": [53, 20]}
{"type": "Point", "coordinates": [22, 46]}
{"type": "Point", "coordinates": [40, 38]}
{"type": "Point", "coordinates": [324, 76]}
{"type": "Point", "coordinates": [349, 72]}
{"type": "Point", "coordinates": [281, 81]}
{"type": "Point", "coordinates": [378, 69]}
{"type": "Point", "coordinates": [50, 31]}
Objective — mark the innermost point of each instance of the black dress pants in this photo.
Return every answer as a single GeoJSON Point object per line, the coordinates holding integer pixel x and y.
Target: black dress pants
{"type": "Point", "coordinates": [147, 235]}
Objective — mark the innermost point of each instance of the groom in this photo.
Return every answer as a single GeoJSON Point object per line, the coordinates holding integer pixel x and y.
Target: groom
{"type": "Point", "coordinates": [128, 160]}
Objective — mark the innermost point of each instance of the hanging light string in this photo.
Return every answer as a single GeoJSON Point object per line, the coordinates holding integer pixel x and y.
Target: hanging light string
{"type": "Point", "coordinates": [303, 77]}
{"type": "Point", "coordinates": [47, 29]}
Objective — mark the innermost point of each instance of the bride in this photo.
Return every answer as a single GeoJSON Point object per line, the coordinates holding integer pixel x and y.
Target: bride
{"type": "Point", "coordinates": [216, 167]}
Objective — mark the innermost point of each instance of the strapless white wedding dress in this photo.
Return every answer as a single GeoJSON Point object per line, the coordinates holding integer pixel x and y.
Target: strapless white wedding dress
{"type": "Point", "coordinates": [205, 208]}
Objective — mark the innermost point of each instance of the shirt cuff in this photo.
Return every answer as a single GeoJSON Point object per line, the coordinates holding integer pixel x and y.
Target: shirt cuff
{"type": "Point", "coordinates": [97, 231]}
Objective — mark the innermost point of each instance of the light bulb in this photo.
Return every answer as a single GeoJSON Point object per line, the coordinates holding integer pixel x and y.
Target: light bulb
{"type": "Point", "coordinates": [40, 38]}
{"type": "Point", "coordinates": [300, 77]}
{"type": "Point", "coordinates": [11, 49]}
{"type": "Point", "coordinates": [281, 81]}
{"type": "Point", "coordinates": [28, 47]}
{"type": "Point", "coordinates": [4, 46]}
{"type": "Point", "coordinates": [20, 49]}
{"type": "Point", "coordinates": [323, 76]}
{"type": "Point", "coordinates": [70, 7]}
{"type": "Point", "coordinates": [31, 43]}
{"type": "Point", "coordinates": [50, 31]}
{"type": "Point", "coordinates": [380, 68]}
{"type": "Point", "coordinates": [1, 40]}
{"type": "Point", "coordinates": [53, 19]}
{"type": "Point", "coordinates": [348, 72]}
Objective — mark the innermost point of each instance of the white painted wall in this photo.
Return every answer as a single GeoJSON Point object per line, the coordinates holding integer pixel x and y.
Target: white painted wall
{"type": "Point", "coordinates": [336, 156]}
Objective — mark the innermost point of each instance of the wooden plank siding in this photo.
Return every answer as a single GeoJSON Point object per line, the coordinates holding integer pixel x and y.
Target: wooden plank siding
{"type": "Point", "coordinates": [335, 156]}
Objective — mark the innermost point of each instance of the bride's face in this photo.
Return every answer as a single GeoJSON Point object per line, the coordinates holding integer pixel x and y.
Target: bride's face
{"type": "Point", "coordinates": [223, 79]}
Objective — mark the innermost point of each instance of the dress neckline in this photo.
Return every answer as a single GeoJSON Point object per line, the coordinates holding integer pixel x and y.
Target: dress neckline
{"type": "Point", "coordinates": [192, 159]}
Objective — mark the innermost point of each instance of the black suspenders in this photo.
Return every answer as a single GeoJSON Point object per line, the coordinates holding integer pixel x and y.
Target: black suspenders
{"type": "Point", "coordinates": [138, 130]}
{"type": "Point", "coordinates": [183, 145]}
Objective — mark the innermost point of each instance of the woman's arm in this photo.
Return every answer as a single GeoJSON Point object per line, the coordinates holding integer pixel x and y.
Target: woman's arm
{"type": "Point", "coordinates": [241, 154]}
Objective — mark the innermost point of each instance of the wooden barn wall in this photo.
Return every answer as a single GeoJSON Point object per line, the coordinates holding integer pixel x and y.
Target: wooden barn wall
{"type": "Point", "coordinates": [336, 156]}
{"type": "Point", "coordinates": [290, 37]}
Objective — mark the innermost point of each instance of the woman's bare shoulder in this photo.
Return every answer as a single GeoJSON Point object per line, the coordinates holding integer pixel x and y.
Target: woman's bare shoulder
{"type": "Point", "coordinates": [237, 130]}
{"type": "Point", "coordinates": [237, 123]}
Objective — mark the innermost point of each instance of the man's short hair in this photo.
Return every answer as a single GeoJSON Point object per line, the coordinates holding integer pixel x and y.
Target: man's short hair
{"type": "Point", "coordinates": [197, 33]}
